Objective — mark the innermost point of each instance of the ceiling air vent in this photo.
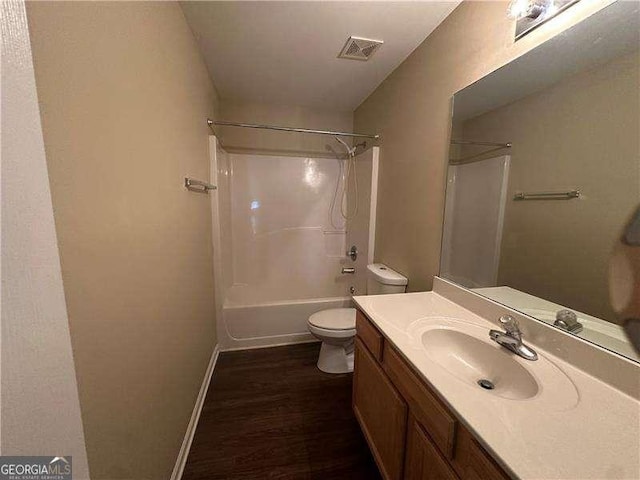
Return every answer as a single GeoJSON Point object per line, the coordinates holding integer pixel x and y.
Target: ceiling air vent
{"type": "Point", "coordinates": [358, 48]}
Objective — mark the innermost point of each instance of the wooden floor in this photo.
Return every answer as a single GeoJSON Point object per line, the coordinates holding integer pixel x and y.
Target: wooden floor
{"type": "Point", "coordinates": [270, 413]}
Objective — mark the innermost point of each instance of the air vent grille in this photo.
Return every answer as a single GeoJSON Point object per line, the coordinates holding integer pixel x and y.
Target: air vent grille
{"type": "Point", "coordinates": [358, 48]}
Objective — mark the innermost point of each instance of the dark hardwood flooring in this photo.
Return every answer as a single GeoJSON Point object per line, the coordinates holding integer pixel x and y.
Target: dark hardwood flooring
{"type": "Point", "coordinates": [270, 413]}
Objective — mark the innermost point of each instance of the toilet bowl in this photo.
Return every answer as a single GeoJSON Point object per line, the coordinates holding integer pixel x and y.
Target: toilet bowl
{"type": "Point", "coordinates": [336, 327]}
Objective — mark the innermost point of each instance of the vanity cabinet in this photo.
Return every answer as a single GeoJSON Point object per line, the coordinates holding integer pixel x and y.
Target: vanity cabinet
{"type": "Point", "coordinates": [381, 412]}
{"type": "Point", "coordinates": [410, 431]}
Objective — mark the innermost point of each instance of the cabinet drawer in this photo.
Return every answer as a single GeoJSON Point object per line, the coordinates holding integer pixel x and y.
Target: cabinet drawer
{"type": "Point", "coordinates": [428, 410]}
{"type": "Point", "coordinates": [369, 335]}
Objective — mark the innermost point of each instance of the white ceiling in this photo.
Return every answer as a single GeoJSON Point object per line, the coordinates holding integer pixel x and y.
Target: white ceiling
{"type": "Point", "coordinates": [285, 52]}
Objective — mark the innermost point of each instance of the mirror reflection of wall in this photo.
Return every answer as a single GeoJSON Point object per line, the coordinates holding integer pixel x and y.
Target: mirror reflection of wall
{"type": "Point", "coordinates": [580, 133]}
{"type": "Point", "coordinates": [571, 110]}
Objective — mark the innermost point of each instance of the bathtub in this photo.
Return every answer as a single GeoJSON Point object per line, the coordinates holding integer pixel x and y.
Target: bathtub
{"type": "Point", "coordinates": [267, 324]}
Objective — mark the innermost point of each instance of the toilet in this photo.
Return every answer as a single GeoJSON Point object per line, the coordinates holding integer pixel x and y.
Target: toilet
{"type": "Point", "coordinates": [336, 327]}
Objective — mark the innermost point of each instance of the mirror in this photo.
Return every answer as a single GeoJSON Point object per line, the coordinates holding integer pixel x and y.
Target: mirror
{"type": "Point", "coordinates": [544, 172]}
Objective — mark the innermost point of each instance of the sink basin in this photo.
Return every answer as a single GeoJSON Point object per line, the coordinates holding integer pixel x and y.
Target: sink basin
{"type": "Point", "coordinates": [458, 353]}
{"type": "Point", "coordinates": [480, 364]}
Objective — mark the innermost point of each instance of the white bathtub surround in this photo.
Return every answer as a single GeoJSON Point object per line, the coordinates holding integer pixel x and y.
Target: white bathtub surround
{"type": "Point", "coordinates": [361, 230]}
{"type": "Point", "coordinates": [285, 246]}
{"type": "Point", "coordinates": [573, 425]}
{"type": "Point", "coordinates": [278, 254]}
{"type": "Point", "coordinates": [219, 173]}
{"type": "Point", "coordinates": [474, 219]}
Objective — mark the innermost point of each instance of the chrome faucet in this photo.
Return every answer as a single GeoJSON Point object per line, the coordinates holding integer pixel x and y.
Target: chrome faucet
{"type": "Point", "coordinates": [568, 320]}
{"type": "Point", "coordinates": [511, 338]}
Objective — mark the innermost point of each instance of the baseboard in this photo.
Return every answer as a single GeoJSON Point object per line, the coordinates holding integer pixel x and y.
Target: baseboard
{"type": "Point", "coordinates": [269, 344]}
{"type": "Point", "coordinates": [195, 416]}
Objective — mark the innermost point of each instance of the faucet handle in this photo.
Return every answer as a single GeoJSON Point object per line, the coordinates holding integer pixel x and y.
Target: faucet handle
{"type": "Point", "coordinates": [566, 316]}
{"type": "Point", "coordinates": [510, 324]}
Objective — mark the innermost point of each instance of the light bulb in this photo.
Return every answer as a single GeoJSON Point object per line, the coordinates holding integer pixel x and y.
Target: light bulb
{"type": "Point", "coordinates": [526, 8]}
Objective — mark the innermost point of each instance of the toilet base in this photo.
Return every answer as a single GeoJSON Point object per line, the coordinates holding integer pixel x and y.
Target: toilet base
{"type": "Point", "coordinates": [336, 358]}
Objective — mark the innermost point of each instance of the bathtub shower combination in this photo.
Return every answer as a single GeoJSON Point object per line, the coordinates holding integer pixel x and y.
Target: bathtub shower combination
{"type": "Point", "coordinates": [280, 240]}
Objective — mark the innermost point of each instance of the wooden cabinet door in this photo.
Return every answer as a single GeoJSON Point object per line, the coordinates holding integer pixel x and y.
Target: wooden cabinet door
{"type": "Point", "coordinates": [481, 466]}
{"type": "Point", "coordinates": [381, 412]}
{"type": "Point", "coordinates": [434, 417]}
{"type": "Point", "coordinates": [423, 460]}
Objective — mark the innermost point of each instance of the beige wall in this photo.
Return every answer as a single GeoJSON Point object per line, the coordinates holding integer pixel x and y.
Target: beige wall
{"type": "Point", "coordinates": [411, 110]}
{"type": "Point", "coordinates": [40, 412]}
{"type": "Point", "coordinates": [124, 95]}
{"type": "Point", "coordinates": [580, 133]}
{"type": "Point", "coordinates": [243, 140]}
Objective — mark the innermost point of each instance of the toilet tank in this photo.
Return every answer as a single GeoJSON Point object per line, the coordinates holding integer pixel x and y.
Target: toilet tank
{"type": "Point", "coordinates": [382, 279]}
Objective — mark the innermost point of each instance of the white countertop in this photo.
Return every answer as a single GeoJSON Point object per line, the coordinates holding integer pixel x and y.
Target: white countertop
{"type": "Point", "coordinates": [591, 433]}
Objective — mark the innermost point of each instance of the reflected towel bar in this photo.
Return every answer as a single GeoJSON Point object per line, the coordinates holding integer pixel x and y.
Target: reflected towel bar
{"type": "Point", "coordinates": [547, 195]}
{"type": "Point", "coordinates": [197, 185]}
{"type": "Point", "coordinates": [484, 144]}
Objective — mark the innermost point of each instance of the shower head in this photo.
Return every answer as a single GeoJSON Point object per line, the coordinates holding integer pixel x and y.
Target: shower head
{"type": "Point", "coordinates": [350, 151]}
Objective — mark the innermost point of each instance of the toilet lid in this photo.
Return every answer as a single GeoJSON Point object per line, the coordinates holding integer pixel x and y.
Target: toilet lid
{"type": "Point", "coordinates": [334, 319]}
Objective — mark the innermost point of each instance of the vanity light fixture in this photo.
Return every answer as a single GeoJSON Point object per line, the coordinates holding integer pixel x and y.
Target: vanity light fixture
{"type": "Point", "coordinates": [525, 8]}
{"type": "Point", "coordinates": [530, 14]}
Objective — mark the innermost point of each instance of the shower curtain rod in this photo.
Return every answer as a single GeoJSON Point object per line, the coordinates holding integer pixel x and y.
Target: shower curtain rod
{"type": "Point", "coordinates": [470, 158]}
{"type": "Point", "coordinates": [291, 129]}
